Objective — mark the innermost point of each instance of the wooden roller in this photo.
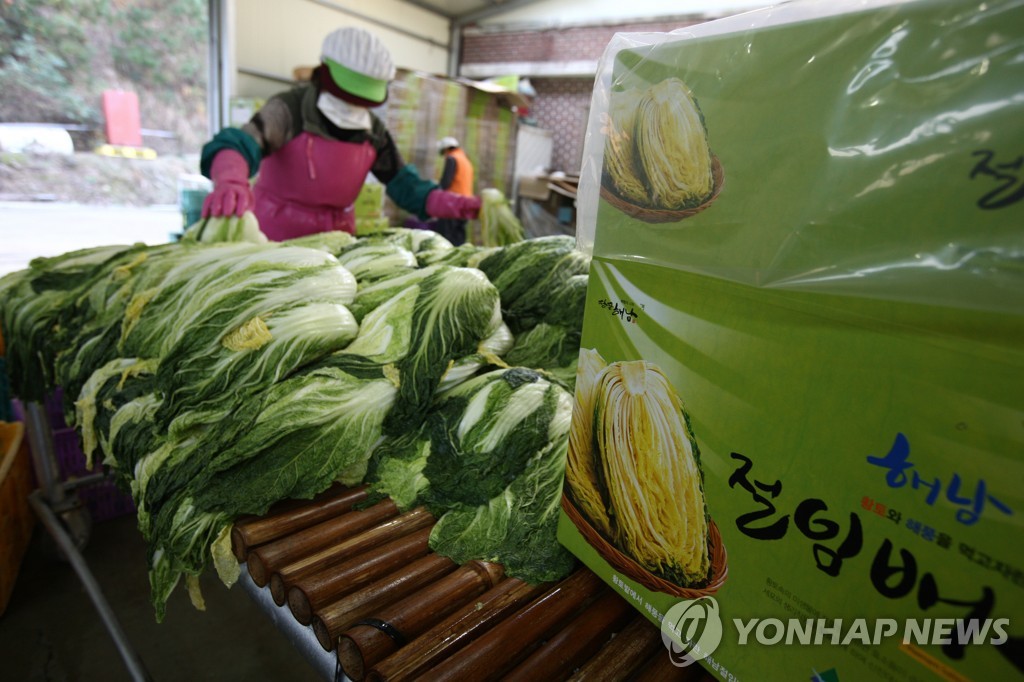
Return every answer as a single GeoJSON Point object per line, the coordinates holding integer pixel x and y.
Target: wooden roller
{"type": "Point", "coordinates": [384, 631]}
{"type": "Point", "coordinates": [626, 653]}
{"type": "Point", "coordinates": [456, 631]}
{"type": "Point", "coordinates": [661, 669]}
{"type": "Point", "coordinates": [312, 592]}
{"type": "Point", "coordinates": [498, 650]}
{"type": "Point", "coordinates": [267, 559]}
{"type": "Point", "coordinates": [332, 619]}
{"type": "Point", "coordinates": [300, 566]}
{"type": "Point", "coordinates": [290, 516]}
{"type": "Point", "coordinates": [575, 643]}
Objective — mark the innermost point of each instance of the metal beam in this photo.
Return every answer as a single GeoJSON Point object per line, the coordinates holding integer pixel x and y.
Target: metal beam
{"type": "Point", "coordinates": [266, 75]}
{"type": "Point", "coordinates": [493, 9]}
{"type": "Point", "coordinates": [582, 68]}
{"type": "Point", "coordinates": [430, 7]}
{"type": "Point", "coordinates": [219, 69]}
{"type": "Point", "coordinates": [383, 24]}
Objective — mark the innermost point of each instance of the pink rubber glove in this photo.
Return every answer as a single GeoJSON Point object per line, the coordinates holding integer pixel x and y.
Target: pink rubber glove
{"type": "Point", "coordinates": [442, 204]}
{"type": "Point", "coordinates": [231, 193]}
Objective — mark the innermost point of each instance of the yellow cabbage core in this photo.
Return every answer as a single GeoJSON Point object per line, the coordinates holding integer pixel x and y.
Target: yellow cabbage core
{"type": "Point", "coordinates": [672, 146]}
{"type": "Point", "coordinates": [580, 467]}
{"type": "Point", "coordinates": [620, 158]}
{"type": "Point", "coordinates": [647, 464]}
{"type": "Point", "coordinates": [250, 336]}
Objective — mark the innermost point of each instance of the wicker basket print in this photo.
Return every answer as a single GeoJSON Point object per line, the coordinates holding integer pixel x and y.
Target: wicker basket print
{"type": "Point", "coordinates": [628, 567]}
{"type": "Point", "coordinates": [660, 215]}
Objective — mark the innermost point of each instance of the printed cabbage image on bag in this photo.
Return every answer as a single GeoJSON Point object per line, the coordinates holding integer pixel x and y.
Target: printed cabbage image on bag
{"type": "Point", "coordinates": [658, 162]}
{"type": "Point", "coordinates": [633, 484]}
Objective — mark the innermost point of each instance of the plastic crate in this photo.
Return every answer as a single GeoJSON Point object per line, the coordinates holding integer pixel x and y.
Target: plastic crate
{"type": "Point", "coordinates": [104, 500]}
{"type": "Point", "coordinates": [54, 406]}
{"type": "Point", "coordinates": [68, 449]}
{"type": "Point", "coordinates": [16, 518]}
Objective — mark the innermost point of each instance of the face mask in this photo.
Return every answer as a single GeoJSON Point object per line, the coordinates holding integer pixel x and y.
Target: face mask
{"type": "Point", "coordinates": [342, 114]}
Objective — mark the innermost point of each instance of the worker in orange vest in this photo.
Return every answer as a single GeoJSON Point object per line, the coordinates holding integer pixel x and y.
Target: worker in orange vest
{"type": "Point", "coordinates": [457, 177]}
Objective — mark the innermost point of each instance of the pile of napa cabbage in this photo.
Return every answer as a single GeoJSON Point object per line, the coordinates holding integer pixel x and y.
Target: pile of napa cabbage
{"type": "Point", "coordinates": [214, 378]}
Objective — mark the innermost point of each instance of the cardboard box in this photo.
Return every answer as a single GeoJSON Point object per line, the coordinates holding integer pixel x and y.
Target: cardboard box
{"type": "Point", "coordinates": [421, 109]}
{"type": "Point", "coordinates": [798, 444]}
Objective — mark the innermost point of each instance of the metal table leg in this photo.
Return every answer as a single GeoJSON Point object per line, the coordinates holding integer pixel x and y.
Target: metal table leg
{"type": "Point", "coordinates": [57, 506]}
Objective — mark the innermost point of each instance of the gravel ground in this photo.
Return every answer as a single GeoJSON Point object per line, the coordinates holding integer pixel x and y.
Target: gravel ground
{"type": "Point", "coordinates": [91, 178]}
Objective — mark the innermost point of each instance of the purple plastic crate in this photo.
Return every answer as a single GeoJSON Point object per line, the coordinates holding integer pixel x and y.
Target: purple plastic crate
{"type": "Point", "coordinates": [68, 449]}
{"type": "Point", "coordinates": [105, 501]}
{"type": "Point", "coordinates": [54, 406]}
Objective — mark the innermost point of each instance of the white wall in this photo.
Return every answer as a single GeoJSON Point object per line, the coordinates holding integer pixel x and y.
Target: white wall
{"type": "Point", "coordinates": [274, 37]}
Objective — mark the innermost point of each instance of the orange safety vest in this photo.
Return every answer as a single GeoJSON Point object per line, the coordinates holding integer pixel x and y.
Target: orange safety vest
{"type": "Point", "coordinates": [462, 183]}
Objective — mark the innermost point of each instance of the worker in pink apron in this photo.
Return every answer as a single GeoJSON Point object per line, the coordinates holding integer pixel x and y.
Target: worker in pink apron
{"type": "Point", "coordinates": [313, 146]}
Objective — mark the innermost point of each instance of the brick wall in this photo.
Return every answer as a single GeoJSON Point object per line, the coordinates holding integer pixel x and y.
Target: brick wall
{"type": "Point", "coordinates": [550, 45]}
{"type": "Point", "coordinates": [562, 105]}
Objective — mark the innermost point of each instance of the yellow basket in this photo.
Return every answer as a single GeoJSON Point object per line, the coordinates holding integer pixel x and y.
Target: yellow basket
{"type": "Point", "coordinates": [650, 214]}
{"type": "Point", "coordinates": [631, 569]}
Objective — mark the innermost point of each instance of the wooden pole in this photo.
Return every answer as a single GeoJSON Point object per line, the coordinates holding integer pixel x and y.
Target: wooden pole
{"type": "Point", "coordinates": [267, 559]}
{"type": "Point", "coordinates": [312, 592]}
{"type": "Point", "coordinates": [331, 620]}
{"type": "Point", "coordinates": [661, 669]}
{"type": "Point", "coordinates": [456, 631]}
{"type": "Point", "coordinates": [299, 566]}
{"type": "Point", "coordinates": [624, 654]}
{"type": "Point", "coordinates": [575, 643]}
{"type": "Point", "coordinates": [291, 516]}
{"type": "Point", "coordinates": [498, 650]}
{"type": "Point", "coordinates": [374, 638]}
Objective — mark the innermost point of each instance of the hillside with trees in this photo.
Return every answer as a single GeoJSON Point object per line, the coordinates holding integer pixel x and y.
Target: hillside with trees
{"type": "Point", "coordinates": [58, 56]}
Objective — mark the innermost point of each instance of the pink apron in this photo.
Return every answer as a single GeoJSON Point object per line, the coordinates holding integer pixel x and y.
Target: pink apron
{"type": "Point", "coordinates": [309, 186]}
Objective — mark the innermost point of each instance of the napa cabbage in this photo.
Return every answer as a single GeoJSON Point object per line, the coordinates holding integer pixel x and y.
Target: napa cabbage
{"type": "Point", "coordinates": [419, 242]}
{"type": "Point", "coordinates": [498, 222]}
{"type": "Point", "coordinates": [370, 260]}
{"type": "Point", "coordinates": [332, 242]}
{"type": "Point", "coordinates": [31, 303]}
{"type": "Point", "coordinates": [466, 255]}
{"type": "Point", "coordinates": [419, 332]}
{"type": "Point", "coordinates": [548, 347]}
{"type": "Point", "coordinates": [235, 361]}
{"type": "Point", "coordinates": [488, 462]}
{"type": "Point", "coordinates": [213, 288]}
{"type": "Point", "coordinates": [230, 228]}
{"type": "Point", "coordinates": [487, 354]}
{"type": "Point", "coordinates": [528, 274]}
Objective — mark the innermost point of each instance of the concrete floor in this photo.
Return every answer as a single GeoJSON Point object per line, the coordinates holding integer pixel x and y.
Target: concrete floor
{"type": "Point", "coordinates": [51, 631]}
{"type": "Point", "coordinates": [31, 229]}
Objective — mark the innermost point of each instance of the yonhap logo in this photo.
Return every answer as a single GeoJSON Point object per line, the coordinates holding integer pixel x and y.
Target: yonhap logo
{"type": "Point", "coordinates": [692, 630]}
